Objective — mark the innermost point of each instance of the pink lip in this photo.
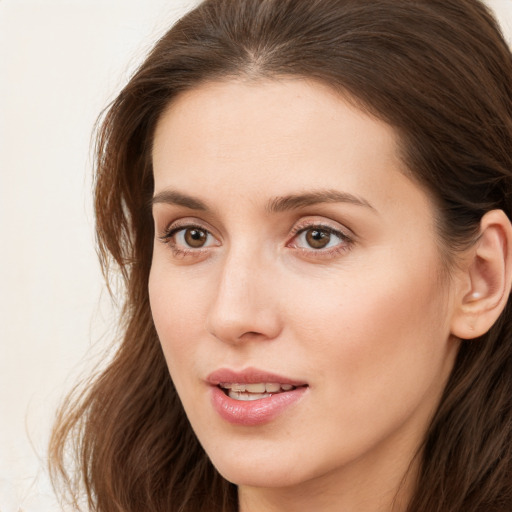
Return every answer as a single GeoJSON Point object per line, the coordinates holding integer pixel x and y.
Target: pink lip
{"type": "Point", "coordinates": [249, 376]}
{"type": "Point", "coordinates": [255, 412]}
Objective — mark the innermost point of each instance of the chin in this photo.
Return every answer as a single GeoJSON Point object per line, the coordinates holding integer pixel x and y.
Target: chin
{"type": "Point", "coordinates": [260, 477]}
{"type": "Point", "coordinates": [259, 471]}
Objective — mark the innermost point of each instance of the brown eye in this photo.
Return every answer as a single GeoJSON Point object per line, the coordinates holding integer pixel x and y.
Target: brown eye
{"type": "Point", "coordinates": [317, 238]}
{"type": "Point", "coordinates": [195, 237]}
{"type": "Point", "coordinates": [189, 240]}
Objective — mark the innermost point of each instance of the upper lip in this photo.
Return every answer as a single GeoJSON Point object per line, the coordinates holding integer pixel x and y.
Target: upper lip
{"type": "Point", "coordinates": [249, 376]}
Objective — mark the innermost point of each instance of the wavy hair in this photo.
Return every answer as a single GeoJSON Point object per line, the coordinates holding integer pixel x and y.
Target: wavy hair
{"type": "Point", "coordinates": [440, 73]}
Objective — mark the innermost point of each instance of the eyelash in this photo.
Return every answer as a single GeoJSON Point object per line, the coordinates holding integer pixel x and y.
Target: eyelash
{"type": "Point", "coordinates": [346, 241]}
{"type": "Point", "coordinates": [173, 230]}
{"type": "Point", "coordinates": [345, 244]}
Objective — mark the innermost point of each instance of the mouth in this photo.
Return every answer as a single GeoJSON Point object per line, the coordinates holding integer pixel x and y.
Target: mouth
{"type": "Point", "coordinates": [254, 391]}
{"type": "Point", "coordinates": [253, 397]}
{"type": "Point", "coordinates": [252, 384]}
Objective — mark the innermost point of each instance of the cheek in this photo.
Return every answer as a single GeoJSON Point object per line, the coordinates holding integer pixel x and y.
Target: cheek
{"type": "Point", "coordinates": [177, 315]}
{"type": "Point", "coordinates": [374, 330]}
{"type": "Point", "coordinates": [376, 347]}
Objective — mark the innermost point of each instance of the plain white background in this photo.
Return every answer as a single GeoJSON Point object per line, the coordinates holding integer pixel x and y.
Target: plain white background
{"type": "Point", "coordinates": [61, 62]}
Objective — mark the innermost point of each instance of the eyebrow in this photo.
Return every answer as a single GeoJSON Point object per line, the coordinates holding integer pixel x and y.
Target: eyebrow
{"type": "Point", "coordinates": [179, 199]}
{"type": "Point", "coordinates": [274, 205]}
{"type": "Point", "coordinates": [296, 201]}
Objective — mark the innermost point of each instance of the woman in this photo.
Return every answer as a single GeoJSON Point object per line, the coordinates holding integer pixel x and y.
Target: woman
{"type": "Point", "coordinates": [309, 203]}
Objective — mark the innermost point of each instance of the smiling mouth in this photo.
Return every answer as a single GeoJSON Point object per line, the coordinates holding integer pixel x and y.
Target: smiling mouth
{"type": "Point", "coordinates": [256, 391]}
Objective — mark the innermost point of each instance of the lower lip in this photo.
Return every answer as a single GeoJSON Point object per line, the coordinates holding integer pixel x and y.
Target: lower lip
{"type": "Point", "coordinates": [254, 412]}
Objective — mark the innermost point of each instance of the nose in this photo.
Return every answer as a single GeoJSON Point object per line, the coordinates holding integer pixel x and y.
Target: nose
{"type": "Point", "coordinates": [245, 306]}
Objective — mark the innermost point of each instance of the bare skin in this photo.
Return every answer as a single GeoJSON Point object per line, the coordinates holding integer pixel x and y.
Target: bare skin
{"type": "Point", "coordinates": [289, 239]}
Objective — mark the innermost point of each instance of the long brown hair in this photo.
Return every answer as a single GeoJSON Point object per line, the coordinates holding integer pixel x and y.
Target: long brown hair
{"type": "Point", "coordinates": [440, 73]}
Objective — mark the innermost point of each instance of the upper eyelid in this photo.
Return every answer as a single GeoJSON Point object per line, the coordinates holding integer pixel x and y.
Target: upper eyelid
{"type": "Point", "coordinates": [336, 232]}
{"type": "Point", "coordinates": [333, 226]}
{"type": "Point", "coordinates": [344, 238]}
{"type": "Point", "coordinates": [168, 238]}
{"type": "Point", "coordinates": [171, 230]}
{"type": "Point", "coordinates": [302, 224]}
{"type": "Point", "coordinates": [320, 225]}
{"type": "Point", "coordinates": [188, 222]}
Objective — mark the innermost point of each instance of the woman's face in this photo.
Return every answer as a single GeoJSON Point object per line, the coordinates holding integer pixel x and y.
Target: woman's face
{"type": "Point", "coordinates": [296, 284]}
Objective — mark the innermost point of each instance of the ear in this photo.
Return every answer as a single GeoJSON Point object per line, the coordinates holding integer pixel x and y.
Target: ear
{"type": "Point", "coordinates": [485, 280]}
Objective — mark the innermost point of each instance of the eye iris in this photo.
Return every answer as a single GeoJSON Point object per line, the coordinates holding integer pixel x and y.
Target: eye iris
{"type": "Point", "coordinates": [195, 237]}
{"type": "Point", "coordinates": [317, 239]}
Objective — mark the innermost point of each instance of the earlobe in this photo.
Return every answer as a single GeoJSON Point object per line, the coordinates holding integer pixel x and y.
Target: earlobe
{"type": "Point", "coordinates": [486, 279]}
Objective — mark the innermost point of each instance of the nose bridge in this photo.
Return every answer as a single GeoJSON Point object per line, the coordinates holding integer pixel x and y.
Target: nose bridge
{"type": "Point", "coordinates": [243, 303]}
{"type": "Point", "coordinates": [235, 287]}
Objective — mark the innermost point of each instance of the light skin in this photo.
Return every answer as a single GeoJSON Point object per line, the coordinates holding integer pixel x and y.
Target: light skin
{"type": "Point", "coordinates": [288, 238]}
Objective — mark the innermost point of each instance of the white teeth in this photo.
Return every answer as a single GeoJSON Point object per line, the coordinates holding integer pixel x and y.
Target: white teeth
{"type": "Point", "coordinates": [254, 391]}
{"type": "Point", "coordinates": [246, 397]}
{"type": "Point", "coordinates": [255, 388]}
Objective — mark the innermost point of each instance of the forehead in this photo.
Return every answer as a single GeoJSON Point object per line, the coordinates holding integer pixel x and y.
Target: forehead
{"type": "Point", "coordinates": [275, 137]}
{"type": "Point", "coordinates": [286, 108]}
